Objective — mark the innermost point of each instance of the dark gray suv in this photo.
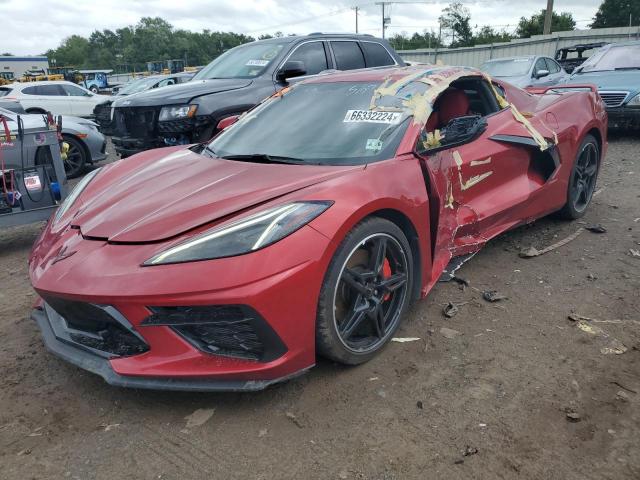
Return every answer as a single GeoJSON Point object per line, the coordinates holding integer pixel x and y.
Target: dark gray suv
{"type": "Point", "coordinates": [235, 82]}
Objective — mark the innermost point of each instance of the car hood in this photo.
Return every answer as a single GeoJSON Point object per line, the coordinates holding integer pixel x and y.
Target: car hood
{"type": "Point", "coordinates": [624, 80]}
{"type": "Point", "coordinates": [183, 93]}
{"type": "Point", "coordinates": [162, 193]}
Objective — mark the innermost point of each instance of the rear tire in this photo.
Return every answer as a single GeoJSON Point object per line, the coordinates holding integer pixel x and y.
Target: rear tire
{"type": "Point", "coordinates": [365, 293]}
{"type": "Point", "coordinates": [582, 181]}
{"type": "Point", "coordinates": [36, 110]}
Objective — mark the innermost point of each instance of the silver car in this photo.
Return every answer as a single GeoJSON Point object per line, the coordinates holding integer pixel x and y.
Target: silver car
{"type": "Point", "coordinates": [526, 71]}
{"type": "Point", "coordinates": [86, 144]}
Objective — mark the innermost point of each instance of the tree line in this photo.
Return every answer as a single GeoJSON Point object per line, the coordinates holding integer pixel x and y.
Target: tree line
{"type": "Point", "coordinates": [155, 39]}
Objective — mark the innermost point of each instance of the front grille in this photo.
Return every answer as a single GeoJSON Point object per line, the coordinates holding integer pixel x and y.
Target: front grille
{"type": "Point", "coordinates": [228, 330]}
{"type": "Point", "coordinates": [94, 327]}
{"type": "Point", "coordinates": [137, 122]}
{"type": "Point", "coordinates": [613, 99]}
{"type": "Point", "coordinates": [102, 114]}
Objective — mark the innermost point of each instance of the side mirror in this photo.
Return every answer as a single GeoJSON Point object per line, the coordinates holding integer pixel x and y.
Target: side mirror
{"type": "Point", "coordinates": [541, 73]}
{"type": "Point", "coordinates": [227, 122]}
{"type": "Point", "coordinates": [292, 68]}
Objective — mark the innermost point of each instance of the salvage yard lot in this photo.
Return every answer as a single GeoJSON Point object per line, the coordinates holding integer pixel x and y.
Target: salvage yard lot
{"type": "Point", "coordinates": [512, 389]}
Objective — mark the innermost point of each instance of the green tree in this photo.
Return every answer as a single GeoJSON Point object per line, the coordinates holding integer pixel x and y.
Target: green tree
{"type": "Point", "coordinates": [151, 39]}
{"type": "Point", "coordinates": [534, 25]}
{"type": "Point", "coordinates": [487, 34]}
{"type": "Point", "coordinates": [615, 13]}
{"type": "Point", "coordinates": [73, 52]}
{"type": "Point", "coordinates": [7, 54]}
{"type": "Point", "coordinates": [401, 41]}
{"type": "Point", "coordinates": [457, 18]}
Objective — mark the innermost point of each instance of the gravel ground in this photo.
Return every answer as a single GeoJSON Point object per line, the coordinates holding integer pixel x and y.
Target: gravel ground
{"type": "Point", "coordinates": [512, 389]}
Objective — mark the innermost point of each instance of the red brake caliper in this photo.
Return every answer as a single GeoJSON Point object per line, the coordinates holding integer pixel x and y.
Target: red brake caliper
{"type": "Point", "coordinates": [386, 273]}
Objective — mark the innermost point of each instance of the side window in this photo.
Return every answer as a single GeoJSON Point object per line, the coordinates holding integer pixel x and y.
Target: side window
{"type": "Point", "coordinates": [552, 66]}
{"type": "Point", "coordinates": [30, 91]}
{"type": "Point", "coordinates": [165, 82]}
{"type": "Point", "coordinates": [376, 55]}
{"type": "Point", "coordinates": [540, 65]}
{"type": "Point", "coordinates": [50, 90]}
{"type": "Point", "coordinates": [73, 91]}
{"type": "Point", "coordinates": [348, 55]}
{"type": "Point", "coordinates": [313, 56]}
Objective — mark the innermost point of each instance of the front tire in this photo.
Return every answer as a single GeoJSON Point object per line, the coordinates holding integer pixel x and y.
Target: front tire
{"type": "Point", "coordinates": [582, 181]}
{"type": "Point", "coordinates": [365, 292]}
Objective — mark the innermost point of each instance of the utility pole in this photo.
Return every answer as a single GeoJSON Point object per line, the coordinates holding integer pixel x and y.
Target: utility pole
{"type": "Point", "coordinates": [356, 9]}
{"type": "Point", "coordinates": [384, 25]}
{"type": "Point", "coordinates": [548, 16]}
{"type": "Point", "coordinates": [385, 20]}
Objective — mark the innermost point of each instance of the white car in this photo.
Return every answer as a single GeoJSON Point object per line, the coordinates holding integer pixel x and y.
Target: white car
{"type": "Point", "coordinates": [57, 97]}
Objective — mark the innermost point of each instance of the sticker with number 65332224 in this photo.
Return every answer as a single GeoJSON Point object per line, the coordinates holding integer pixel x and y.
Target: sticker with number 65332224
{"type": "Point", "coordinates": [371, 116]}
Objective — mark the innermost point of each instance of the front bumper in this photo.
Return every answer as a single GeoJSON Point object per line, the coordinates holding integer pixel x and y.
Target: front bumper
{"type": "Point", "coordinates": [624, 118]}
{"type": "Point", "coordinates": [101, 366]}
{"type": "Point", "coordinates": [280, 284]}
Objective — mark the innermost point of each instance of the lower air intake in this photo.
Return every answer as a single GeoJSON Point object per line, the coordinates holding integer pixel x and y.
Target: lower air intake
{"type": "Point", "coordinates": [228, 330]}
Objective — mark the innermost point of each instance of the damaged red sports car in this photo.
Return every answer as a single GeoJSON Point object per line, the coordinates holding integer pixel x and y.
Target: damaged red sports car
{"type": "Point", "coordinates": [306, 228]}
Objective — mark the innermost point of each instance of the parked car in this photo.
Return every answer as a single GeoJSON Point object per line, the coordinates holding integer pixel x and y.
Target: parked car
{"type": "Point", "coordinates": [526, 71]}
{"type": "Point", "coordinates": [86, 144]}
{"type": "Point", "coordinates": [57, 97]}
{"type": "Point", "coordinates": [235, 82]}
{"type": "Point", "coordinates": [615, 69]}
{"type": "Point", "coordinates": [102, 111]}
{"type": "Point", "coordinates": [571, 57]}
{"type": "Point", "coordinates": [307, 227]}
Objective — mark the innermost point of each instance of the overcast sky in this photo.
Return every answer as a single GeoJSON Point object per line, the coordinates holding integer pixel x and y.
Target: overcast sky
{"type": "Point", "coordinates": [30, 27]}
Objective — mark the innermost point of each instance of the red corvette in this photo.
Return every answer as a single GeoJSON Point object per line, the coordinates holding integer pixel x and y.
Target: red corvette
{"type": "Point", "coordinates": [307, 227]}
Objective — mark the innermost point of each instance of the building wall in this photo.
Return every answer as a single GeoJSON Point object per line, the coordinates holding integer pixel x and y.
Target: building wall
{"type": "Point", "coordinates": [19, 65]}
{"type": "Point", "coordinates": [536, 45]}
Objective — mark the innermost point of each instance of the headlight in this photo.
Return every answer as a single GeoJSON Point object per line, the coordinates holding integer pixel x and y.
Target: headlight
{"type": "Point", "coordinates": [243, 236]}
{"type": "Point", "coordinates": [74, 194]}
{"type": "Point", "coordinates": [177, 111]}
{"type": "Point", "coordinates": [634, 102]}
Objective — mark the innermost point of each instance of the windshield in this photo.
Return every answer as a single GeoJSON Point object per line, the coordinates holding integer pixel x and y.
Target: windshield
{"type": "Point", "coordinates": [514, 67]}
{"type": "Point", "coordinates": [613, 58]}
{"type": "Point", "coordinates": [138, 85]}
{"type": "Point", "coordinates": [245, 61]}
{"type": "Point", "coordinates": [318, 123]}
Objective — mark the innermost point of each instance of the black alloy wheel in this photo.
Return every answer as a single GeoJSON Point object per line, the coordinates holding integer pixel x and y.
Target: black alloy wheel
{"type": "Point", "coordinates": [76, 157]}
{"type": "Point", "coordinates": [366, 291]}
{"type": "Point", "coordinates": [582, 182]}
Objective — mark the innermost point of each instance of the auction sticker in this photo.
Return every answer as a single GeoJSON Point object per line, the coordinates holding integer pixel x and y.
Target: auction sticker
{"type": "Point", "coordinates": [371, 116]}
{"type": "Point", "coordinates": [257, 63]}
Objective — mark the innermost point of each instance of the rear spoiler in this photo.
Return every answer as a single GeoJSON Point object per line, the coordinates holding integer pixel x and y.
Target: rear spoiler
{"type": "Point", "coordinates": [562, 88]}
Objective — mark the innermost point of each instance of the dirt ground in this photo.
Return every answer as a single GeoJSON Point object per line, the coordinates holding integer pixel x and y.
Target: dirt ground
{"type": "Point", "coordinates": [517, 390]}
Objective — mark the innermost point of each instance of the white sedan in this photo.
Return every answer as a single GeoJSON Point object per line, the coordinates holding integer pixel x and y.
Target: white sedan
{"type": "Point", "coordinates": [57, 97]}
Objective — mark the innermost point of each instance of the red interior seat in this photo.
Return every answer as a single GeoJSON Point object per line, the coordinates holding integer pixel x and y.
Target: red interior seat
{"type": "Point", "coordinates": [453, 103]}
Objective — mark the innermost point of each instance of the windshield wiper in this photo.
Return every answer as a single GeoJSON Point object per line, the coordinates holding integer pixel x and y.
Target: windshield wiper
{"type": "Point", "coordinates": [264, 158]}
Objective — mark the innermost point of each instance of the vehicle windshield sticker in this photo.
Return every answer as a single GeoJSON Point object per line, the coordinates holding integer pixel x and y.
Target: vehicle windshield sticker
{"type": "Point", "coordinates": [373, 144]}
{"type": "Point", "coordinates": [372, 116]}
{"type": "Point", "coordinates": [257, 63]}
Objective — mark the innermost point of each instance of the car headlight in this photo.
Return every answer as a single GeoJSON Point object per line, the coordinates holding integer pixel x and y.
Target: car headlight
{"type": "Point", "coordinates": [243, 236]}
{"type": "Point", "coordinates": [634, 102]}
{"type": "Point", "coordinates": [175, 112]}
{"type": "Point", "coordinates": [74, 194]}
